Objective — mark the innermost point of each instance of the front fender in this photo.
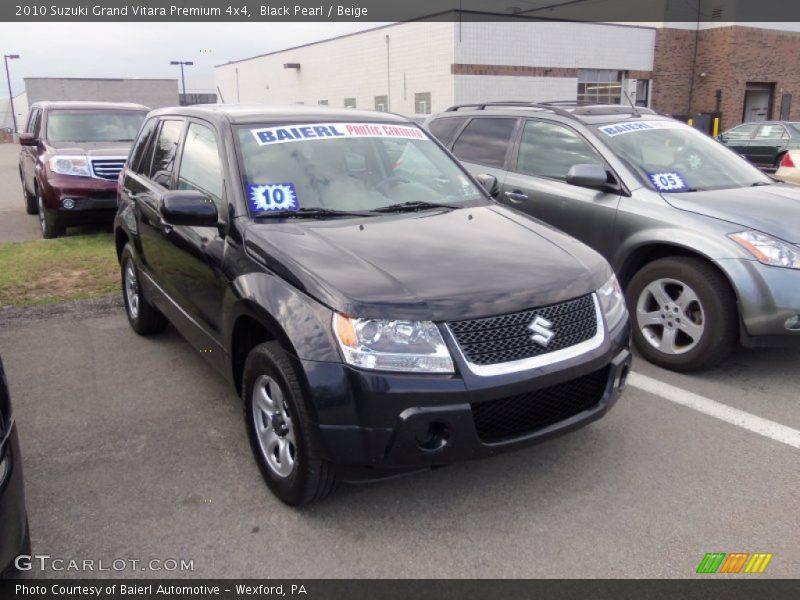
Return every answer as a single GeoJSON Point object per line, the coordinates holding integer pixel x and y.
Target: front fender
{"type": "Point", "coordinates": [301, 324]}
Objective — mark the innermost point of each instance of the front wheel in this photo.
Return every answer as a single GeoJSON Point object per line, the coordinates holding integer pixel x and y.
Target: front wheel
{"type": "Point", "coordinates": [31, 205]}
{"type": "Point", "coordinates": [280, 429]}
{"type": "Point", "coordinates": [684, 313]}
{"type": "Point", "coordinates": [49, 223]}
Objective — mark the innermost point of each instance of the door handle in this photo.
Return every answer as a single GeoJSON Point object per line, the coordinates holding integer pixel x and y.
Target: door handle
{"type": "Point", "coordinates": [516, 196]}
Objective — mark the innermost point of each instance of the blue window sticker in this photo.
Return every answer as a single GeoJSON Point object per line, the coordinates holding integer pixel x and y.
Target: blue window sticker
{"type": "Point", "coordinates": [270, 197]}
{"type": "Point", "coordinates": [668, 181]}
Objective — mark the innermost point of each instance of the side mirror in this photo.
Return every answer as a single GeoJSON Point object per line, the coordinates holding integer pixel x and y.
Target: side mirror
{"type": "Point", "coordinates": [189, 207]}
{"type": "Point", "coordinates": [28, 139]}
{"type": "Point", "coordinates": [489, 183]}
{"type": "Point", "coordinates": [588, 176]}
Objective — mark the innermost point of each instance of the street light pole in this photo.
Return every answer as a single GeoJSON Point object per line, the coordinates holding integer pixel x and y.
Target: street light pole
{"type": "Point", "coordinates": [183, 80]}
{"type": "Point", "coordinates": [6, 58]}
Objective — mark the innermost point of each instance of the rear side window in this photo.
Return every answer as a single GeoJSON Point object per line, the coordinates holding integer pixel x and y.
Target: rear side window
{"type": "Point", "coordinates": [166, 148]}
{"type": "Point", "coordinates": [485, 141]}
{"type": "Point", "coordinates": [141, 144]}
{"type": "Point", "coordinates": [549, 150]}
{"type": "Point", "coordinates": [771, 132]}
{"type": "Point", "coordinates": [200, 165]}
{"type": "Point", "coordinates": [737, 134]}
{"type": "Point", "coordinates": [445, 129]}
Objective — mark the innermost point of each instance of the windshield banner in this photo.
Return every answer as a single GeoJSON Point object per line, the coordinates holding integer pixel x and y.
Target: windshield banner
{"type": "Point", "coordinates": [621, 128]}
{"type": "Point", "coordinates": [299, 133]}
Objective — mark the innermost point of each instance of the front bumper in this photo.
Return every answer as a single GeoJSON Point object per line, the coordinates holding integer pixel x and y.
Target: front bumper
{"type": "Point", "coordinates": [769, 301]}
{"type": "Point", "coordinates": [394, 422]}
{"type": "Point", "coordinates": [13, 532]}
{"type": "Point", "coordinates": [92, 198]}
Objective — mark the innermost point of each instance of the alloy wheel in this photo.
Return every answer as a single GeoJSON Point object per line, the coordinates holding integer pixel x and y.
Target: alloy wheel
{"type": "Point", "coordinates": [670, 316]}
{"type": "Point", "coordinates": [132, 290]}
{"type": "Point", "coordinates": [40, 202]}
{"type": "Point", "coordinates": [273, 426]}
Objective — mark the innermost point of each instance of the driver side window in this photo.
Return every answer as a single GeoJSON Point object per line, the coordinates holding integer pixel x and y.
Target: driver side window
{"type": "Point", "coordinates": [550, 150]}
{"type": "Point", "coordinates": [200, 168]}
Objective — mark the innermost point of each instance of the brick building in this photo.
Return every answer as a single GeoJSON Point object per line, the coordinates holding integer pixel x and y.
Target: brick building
{"type": "Point", "coordinates": [747, 73]}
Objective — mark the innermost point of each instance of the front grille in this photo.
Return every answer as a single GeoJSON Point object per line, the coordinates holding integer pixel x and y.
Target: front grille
{"type": "Point", "coordinates": [504, 418]}
{"type": "Point", "coordinates": [505, 338]}
{"type": "Point", "coordinates": [107, 168]}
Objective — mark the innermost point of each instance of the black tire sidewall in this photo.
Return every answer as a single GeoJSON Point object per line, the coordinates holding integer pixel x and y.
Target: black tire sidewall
{"type": "Point", "coordinates": [269, 359]}
{"type": "Point", "coordinates": [718, 337]}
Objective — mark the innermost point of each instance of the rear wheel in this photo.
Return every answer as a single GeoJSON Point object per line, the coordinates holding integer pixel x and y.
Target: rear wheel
{"type": "Point", "coordinates": [280, 429]}
{"type": "Point", "coordinates": [684, 313]}
{"type": "Point", "coordinates": [143, 317]}
{"type": "Point", "coordinates": [49, 223]}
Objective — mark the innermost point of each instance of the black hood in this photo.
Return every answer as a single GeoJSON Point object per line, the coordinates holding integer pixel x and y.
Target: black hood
{"type": "Point", "coordinates": [438, 265]}
{"type": "Point", "coordinates": [772, 209]}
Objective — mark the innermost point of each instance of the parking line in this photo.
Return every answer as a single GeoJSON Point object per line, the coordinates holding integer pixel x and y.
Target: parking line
{"type": "Point", "coordinates": [712, 408]}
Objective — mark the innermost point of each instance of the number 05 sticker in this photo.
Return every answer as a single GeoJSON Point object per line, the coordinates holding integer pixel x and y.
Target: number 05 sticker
{"type": "Point", "coordinates": [668, 181]}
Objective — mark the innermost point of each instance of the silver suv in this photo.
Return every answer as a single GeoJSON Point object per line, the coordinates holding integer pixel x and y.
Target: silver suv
{"type": "Point", "coordinates": [705, 244]}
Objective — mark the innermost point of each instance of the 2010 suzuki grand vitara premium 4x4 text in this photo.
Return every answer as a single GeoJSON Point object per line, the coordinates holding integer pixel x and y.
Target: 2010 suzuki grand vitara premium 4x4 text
{"type": "Point", "coordinates": [375, 309]}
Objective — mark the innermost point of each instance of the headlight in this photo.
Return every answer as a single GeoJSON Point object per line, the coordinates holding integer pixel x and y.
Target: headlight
{"type": "Point", "coordinates": [768, 250]}
{"type": "Point", "coordinates": [384, 345]}
{"type": "Point", "coordinates": [70, 165]}
{"type": "Point", "coordinates": [612, 302]}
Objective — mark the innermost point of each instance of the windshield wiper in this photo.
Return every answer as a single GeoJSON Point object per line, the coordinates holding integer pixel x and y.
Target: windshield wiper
{"type": "Point", "coordinates": [411, 206]}
{"type": "Point", "coordinates": [760, 183]}
{"type": "Point", "coordinates": [310, 213]}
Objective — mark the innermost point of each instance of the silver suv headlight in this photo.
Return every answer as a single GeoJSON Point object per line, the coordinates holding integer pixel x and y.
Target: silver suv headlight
{"type": "Point", "coordinates": [392, 345]}
{"type": "Point", "coordinates": [767, 249]}
{"type": "Point", "coordinates": [70, 165]}
{"type": "Point", "coordinates": [612, 302]}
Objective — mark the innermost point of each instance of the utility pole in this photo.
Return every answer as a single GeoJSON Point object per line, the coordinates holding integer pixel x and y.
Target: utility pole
{"type": "Point", "coordinates": [6, 58]}
{"type": "Point", "coordinates": [183, 80]}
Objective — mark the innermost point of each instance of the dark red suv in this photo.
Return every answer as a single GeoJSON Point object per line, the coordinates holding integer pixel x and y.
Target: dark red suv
{"type": "Point", "coordinates": [72, 153]}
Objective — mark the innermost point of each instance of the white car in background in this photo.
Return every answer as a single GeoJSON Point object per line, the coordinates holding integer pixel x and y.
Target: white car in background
{"type": "Point", "coordinates": [789, 167]}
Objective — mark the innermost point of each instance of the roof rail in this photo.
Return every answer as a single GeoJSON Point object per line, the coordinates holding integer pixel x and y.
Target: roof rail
{"type": "Point", "coordinates": [617, 108]}
{"type": "Point", "coordinates": [514, 104]}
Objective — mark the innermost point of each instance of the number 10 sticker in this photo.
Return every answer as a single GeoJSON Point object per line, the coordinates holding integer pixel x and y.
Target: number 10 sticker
{"type": "Point", "coordinates": [668, 181]}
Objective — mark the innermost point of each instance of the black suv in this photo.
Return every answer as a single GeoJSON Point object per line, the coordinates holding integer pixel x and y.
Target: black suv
{"type": "Point", "coordinates": [374, 308]}
{"type": "Point", "coordinates": [706, 245]}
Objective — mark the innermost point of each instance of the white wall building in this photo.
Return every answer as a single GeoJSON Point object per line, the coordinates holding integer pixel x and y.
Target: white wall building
{"type": "Point", "coordinates": [425, 66]}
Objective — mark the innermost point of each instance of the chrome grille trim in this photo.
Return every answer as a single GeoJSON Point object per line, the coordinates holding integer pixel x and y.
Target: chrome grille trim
{"type": "Point", "coordinates": [541, 360]}
{"type": "Point", "coordinates": [108, 167]}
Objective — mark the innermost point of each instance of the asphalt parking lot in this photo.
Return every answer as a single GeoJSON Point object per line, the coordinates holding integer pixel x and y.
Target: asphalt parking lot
{"type": "Point", "coordinates": [135, 449]}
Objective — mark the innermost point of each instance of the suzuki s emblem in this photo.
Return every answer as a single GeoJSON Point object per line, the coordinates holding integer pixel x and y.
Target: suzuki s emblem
{"type": "Point", "coordinates": [542, 332]}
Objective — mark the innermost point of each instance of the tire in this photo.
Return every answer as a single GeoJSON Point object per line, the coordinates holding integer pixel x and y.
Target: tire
{"type": "Point", "coordinates": [31, 205]}
{"type": "Point", "coordinates": [144, 318]}
{"type": "Point", "coordinates": [280, 429]}
{"type": "Point", "coordinates": [695, 324]}
{"type": "Point", "coordinates": [48, 222]}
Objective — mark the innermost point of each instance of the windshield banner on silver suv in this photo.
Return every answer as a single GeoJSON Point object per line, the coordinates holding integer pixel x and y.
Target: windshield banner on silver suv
{"type": "Point", "coordinates": [620, 128]}
{"type": "Point", "coordinates": [278, 135]}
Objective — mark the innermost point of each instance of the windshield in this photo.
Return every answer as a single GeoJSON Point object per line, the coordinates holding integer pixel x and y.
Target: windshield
{"type": "Point", "coordinates": [673, 157]}
{"type": "Point", "coordinates": [347, 167]}
{"type": "Point", "coordinates": [93, 126]}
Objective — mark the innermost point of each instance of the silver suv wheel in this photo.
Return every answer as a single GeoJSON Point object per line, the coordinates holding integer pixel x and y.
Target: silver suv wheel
{"type": "Point", "coordinates": [131, 290]}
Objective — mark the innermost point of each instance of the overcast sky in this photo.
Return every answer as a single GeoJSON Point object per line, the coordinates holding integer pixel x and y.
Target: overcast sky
{"type": "Point", "coordinates": [145, 49]}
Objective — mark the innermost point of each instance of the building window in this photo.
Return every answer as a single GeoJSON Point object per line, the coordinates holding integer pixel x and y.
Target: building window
{"type": "Point", "coordinates": [422, 103]}
{"type": "Point", "coordinates": [599, 86]}
{"type": "Point", "coordinates": [382, 103]}
{"type": "Point", "coordinates": [642, 92]}
{"type": "Point", "coordinates": [349, 102]}
{"type": "Point", "coordinates": [322, 102]}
